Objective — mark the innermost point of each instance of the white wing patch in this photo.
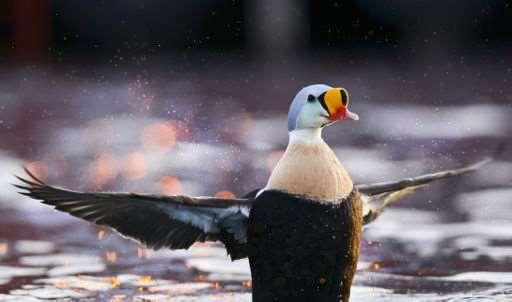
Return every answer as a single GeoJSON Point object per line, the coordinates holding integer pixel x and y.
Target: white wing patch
{"type": "Point", "coordinates": [211, 220]}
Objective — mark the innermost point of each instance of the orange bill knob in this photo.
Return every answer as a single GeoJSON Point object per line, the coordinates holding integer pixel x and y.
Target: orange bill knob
{"type": "Point", "coordinates": [336, 102]}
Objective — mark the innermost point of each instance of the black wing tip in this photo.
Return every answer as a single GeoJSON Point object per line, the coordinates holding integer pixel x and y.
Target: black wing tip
{"type": "Point", "coordinates": [21, 187]}
{"type": "Point", "coordinates": [32, 176]}
{"type": "Point", "coordinates": [32, 181]}
{"type": "Point", "coordinates": [26, 181]}
{"type": "Point", "coordinates": [29, 184]}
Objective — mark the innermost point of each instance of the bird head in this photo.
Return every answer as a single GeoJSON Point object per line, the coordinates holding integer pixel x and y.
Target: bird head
{"type": "Point", "coordinates": [319, 105]}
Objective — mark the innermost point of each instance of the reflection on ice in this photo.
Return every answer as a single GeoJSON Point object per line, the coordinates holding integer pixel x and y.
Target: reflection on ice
{"type": "Point", "coordinates": [492, 205]}
{"type": "Point", "coordinates": [76, 269]}
{"type": "Point", "coordinates": [492, 277]}
{"type": "Point", "coordinates": [78, 282]}
{"type": "Point", "coordinates": [425, 236]}
{"type": "Point", "coordinates": [7, 272]}
{"type": "Point", "coordinates": [34, 247]}
{"type": "Point", "coordinates": [60, 259]}
{"type": "Point", "coordinates": [219, 266]}
{"type": "Point", "coordinates": [234, 297]}
{"type": "Point", "coordinates": [49, 292]}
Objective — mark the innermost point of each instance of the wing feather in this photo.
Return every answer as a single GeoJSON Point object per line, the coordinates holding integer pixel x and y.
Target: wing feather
{"type": "Point", "coordinates": [174, 222]}
{"type": "Point", "coordinates": [378, 196]}
{"type": "Point", "coordinates": [391, 186]}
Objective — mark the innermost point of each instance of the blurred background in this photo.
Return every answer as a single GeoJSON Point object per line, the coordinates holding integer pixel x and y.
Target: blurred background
{"type": "Point", "coordinates": [191, 98]}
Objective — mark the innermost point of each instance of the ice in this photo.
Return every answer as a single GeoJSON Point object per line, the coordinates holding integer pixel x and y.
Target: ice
{"type": "Point", "coordinates": [13, 298]}
{"type": "Point", "coordinates": [198, 250]}
{"type": "Point", "coordinates": [472, 247]}
{"type": "Point", "coordinates": [34, 246]}
{"type": "Point", "coordinates": [221, 266]}
{"type": "Point", "coordinates": [492, 205]}
{"type": "Point", "coordinates": [228, 277]}
{"type": "Point", "coordinates": [366, 293]}
{"type": "Point", "coordinates": [77, 269]}
{"type": "Point", "coordinates": [50, 292]}
{"type": "Point", "coordinates": [498, 253]}
{"type": "Point", "coordinates": [7, 272]}
{"type": "Point", "coordinates": [84, 282]}
{"type": "Point", "coordinates": [423, 230]}
{"type": "Point", "coordinates": [232, 297]}
{"type": "Point", "coordinates": [60, 259]}
{"type": "Point", "coordinates": [492, 277]}
{"type": "Point", "coordinates": [176, 289]}
{"type": "Point", "coordinates": [152, 298]}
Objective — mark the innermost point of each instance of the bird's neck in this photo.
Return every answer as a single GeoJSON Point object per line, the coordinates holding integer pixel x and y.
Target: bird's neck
{"type": "Point", "coordinates": [310, 168]}
{"type": "Point", "coordinates": [308, 136]}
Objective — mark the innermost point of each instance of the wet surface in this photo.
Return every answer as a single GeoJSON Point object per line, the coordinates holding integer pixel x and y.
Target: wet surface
{"type": "Point", "coordinates": [450, 242]}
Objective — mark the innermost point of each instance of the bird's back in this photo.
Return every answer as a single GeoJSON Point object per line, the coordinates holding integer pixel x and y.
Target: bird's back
{"type": "Point", "coordinates": [303, 250]}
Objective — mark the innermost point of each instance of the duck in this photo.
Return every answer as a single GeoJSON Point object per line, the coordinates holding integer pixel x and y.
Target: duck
{"type": "Point", "coordinates": [301, 231]}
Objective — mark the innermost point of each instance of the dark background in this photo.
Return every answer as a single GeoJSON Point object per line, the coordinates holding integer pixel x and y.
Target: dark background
{"type": "Point", "coordinates": [67, 30]}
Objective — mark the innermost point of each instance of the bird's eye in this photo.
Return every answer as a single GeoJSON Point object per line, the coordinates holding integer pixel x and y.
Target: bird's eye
{"type": "Point", "coordinates": [344, 97]}
{"type": "Point", "coordinates": [311, 98]}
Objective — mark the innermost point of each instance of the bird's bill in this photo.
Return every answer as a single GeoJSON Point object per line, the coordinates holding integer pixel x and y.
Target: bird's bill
{"type": "Point", "coordinates": [342, 114]}
{"type": "Point", "coordinates": [336, 101]}
{"type": "Point", "coordinates": [349, 115]}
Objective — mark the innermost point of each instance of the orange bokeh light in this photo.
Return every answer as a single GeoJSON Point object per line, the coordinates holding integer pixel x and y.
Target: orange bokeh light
{"type": "Point", "coordinates": [375, 266]}
{"type": "Point", "coordinates": [144, 253]}
{"type": "Point", "coordinates": [135, 166]}
{"type": "Point", "coordinates": [118, 298]}
{"type": "Point", "coordinates": [201, 278]}
{"type": "Point", "coordinates": [4, 248]}
{"type": "Point", "coordinates": [170, 185]}
{"type": "Point", "coordinates": [114, 281]}
{"type": "Point", "coordinates": [111, 256]}
{"type": "Point", "coordinates": [159, 137]}
{"type": "Point", "coordinates": [247, 284]}
{"type": "Point", "coordinates": [225, 194]}
{"type": "Point", "coordinates": [61, 284]}
{"type": "Point", "coordinates": [104, 169]}
{"type": "Point", "coordinates": [146, 280]}
{"type": "Point", "coordinates": [216, 285]}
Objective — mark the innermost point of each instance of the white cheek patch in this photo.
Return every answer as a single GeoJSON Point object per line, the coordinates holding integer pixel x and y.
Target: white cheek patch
{"type": "Point", "coordinates": [312, 115]}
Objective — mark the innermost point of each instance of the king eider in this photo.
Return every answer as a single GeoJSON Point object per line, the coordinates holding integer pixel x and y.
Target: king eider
{"type": "Point", "coordinates": [301, 232]}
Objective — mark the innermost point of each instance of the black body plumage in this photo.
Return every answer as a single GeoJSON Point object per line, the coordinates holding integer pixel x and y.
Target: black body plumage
{"type": "Point", "coordinates": [301, 249]}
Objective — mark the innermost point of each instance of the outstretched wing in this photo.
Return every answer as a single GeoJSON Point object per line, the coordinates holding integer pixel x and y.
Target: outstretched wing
{"type": "Point", "coordinates": [174, 222]}
{"type": "Point", "coordinates": [387, 193]}
{"type": "Point", "coordinates": [393, 186]}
